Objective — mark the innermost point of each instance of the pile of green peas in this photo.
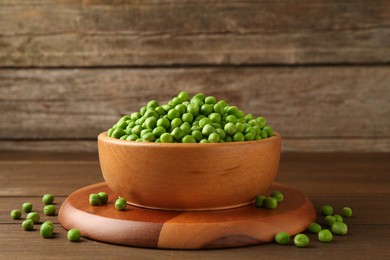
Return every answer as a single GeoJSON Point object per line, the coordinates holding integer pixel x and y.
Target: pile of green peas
{"type": "Point", "coordinates": [46, 229]}
{"type": "Point", "coordinates": [334, 225]}
{"type": "Point", "coordinates": [200, 119]}
{"type": "Point", "coordinates": [269, 202]}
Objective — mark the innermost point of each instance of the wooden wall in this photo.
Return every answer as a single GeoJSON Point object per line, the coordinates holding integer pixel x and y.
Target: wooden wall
{"type": "Point", "coordinates": [318, 70]}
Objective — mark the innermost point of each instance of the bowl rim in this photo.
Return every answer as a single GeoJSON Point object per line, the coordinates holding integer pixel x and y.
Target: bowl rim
{"type": "Point", "coordinates": [105, 138]}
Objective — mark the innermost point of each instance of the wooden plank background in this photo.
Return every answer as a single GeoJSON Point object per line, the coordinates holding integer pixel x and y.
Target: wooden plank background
{"type": "Point", "coordinates": [317, 70]}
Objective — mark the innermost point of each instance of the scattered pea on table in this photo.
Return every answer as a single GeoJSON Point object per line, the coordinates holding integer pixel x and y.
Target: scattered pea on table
{"type": "Point", "coordinates": [16, 214]}
{"type": "Point", "coordinates": [27, 207]}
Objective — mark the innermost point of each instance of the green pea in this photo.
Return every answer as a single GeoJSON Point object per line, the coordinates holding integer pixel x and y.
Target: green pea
{"type": "Point", "coordinates": [144, 132]}
{"type": "Point", "coordinates": [249, 137]}
{"type": "Point", "coordinates": [73, 235]}
{"type": "Point", "coordinates": [160, 111]}
{"type": "Point", "coordinates": [199, 117]}
{"type": "Point", "coordinates": [270, 203]}
{"type": "Point", "coordinates": [197, 101]}
{"type": "Point", "coordinates": [184, 96]}
{"type": "Point", "coordinates": [214, 138]}
{"type": "Point", "coordinates": [233, 110]}
{"type": "Point", "coordinates": [134, 116]}
{"type": "Point", "coordinates": [269, 130]}
{"type": "Point", "coordinates": [248, 117]}
{"type": "Point", "coordinates": [238, 137]}
{"type": "Point", "coordinates": [158, 131]}
{"type": "Point", "coordinates": [163, 122]}
{"type": "Point", "coordinates": [48, 222]}
{"type": "Point", "coordinates": [95, 199]}
{"type": "Point", "coordinates": [239, 127]}
{"type": "Point", "coordinates": [142, 110]}
{"type": "Point", "coordinates": [173, 113]}
{"type": "Point", "coordinates": [34, 216]}
{"type": "Point", "coordinates": [230, 128]}
{"type": "Point", "coordinates": [118, 132]}
{"type": "Point", "coordinates": [210, 100]}
{"type": "Point", "coordinates": [27, 207]}
{"type": "Point", "coordinates": [347, 212]}
{"type": "Point", "coordinates": [137, 130]}
{"type": "Point", "coordinates": [263, 134]}
{"type": "Point", "coordinates": [148, 137]}
{"type": "Point", "coordinates": [216, 125]}
{"type": "Point", "coordinates": [109, 132]}
{"type": "Point", "coordinates": [181, 108]}
{"type": "Point", "coordinates": [188, 139]}
{"type": "Point", "coordinates": [46, 231]}
{"type": "Point", "coordinates": [166, 138]}
{"type": "Point", "coordinates": [48, 199]}
{"type": "Point", "coordinates": [28, 225]}
{"type": "Point", "coordinates": [329, 220]}
{"type": "Point", "coordinates": [152, 104]}
{"type": "Point", "coordinates": [195, 127]}
{"type": "Point", "coordinates": [261, 121]}
{"type": "Point", "coordinates": [218, 108]}
{"type": "Point", "coordinates": [215, 117]}
{"type": "Point", "coordinates": [208, 129]}
{"type": "Point", "coordinates": [186, 128]}
{"type": "Point", "coordinates": [187, 117]}
{"type": "Point", "coordinates": [206, 109]}
{"type": "Point", "coordinates": [151, 113]}
{"type": "Point", "coordinates": [197, 135]}
{"type": "Point", "coordinates": [221, 133]}
{"type": "Point", "coordinates": [151, 122]}
{"type": "Point", "coordinates": [314, 227]}
{"type": "Point", "coordinates": [104, 196]}
{"type": "Point", "coordinates": [301, 240]}
{"type": "Point", "coordinates": [193, 109]}
{"type": "Point", "coordinates": [201, 96]}
{"type": "Point", "coordinates": [132, 137]}
{"type": "Point", "coordinates": [121, 124]}
{"type": "Point", "coordinates": [339, 218]}
{"type": "Point", "coordinates": [16, 214]}
{"type": "Point", "coordinates": [282, 238]}
{"type": "Point", "coordinates": [166, 107]}
{"type": "Point", "coordinates": [120, 204]}
{"type": "Point", "coordinates": [204, 121]}
{"type": "Point", "coordinates": [176, 123]}
{"type": "Point", "coordinates": [327, 210]}
{"type": "Point", "coordinates": [123, 137]}
{"type": "Point", "coordinates": [231, 119]}
{"type": "Point", "coordinates": [339, 228]}
{"type": "Point", "coordinates": [177, 133]}
{"type": "Point", "coordinates": [49, 210]}
{"type": "Point", "coordinates": [204, 141]}
{"type": "Point", "coordinates": [260, 201]}
{"type": "Point", "coordinates": [325, 236]}
{"type": "Point", "coordinates": [277, 195]}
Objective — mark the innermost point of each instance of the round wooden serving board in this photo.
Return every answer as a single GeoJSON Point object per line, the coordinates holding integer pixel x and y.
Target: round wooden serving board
{"type": "Point", "coordinates": [142, 227]}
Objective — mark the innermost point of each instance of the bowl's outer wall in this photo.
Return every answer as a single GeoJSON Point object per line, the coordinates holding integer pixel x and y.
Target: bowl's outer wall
{"type": "Point", "coordinates": [196, 176]}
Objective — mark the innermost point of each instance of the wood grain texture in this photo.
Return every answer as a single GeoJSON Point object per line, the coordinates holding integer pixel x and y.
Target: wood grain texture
{"type": "Point", "coordinates": [300, 103]}
{"type": "Point", "coordinates": [141, 227]}
{"type": "Point", "coordinates": [367, 175]}
{"type": "Point", "coordinates": [122, 33]}
{"type": "Point", "coordinates": [361, 145]}
{"type": "Point", "coordinates": [364, 188]}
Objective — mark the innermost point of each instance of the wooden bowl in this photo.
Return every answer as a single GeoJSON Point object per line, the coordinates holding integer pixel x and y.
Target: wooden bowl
{"type": "Point", "coordinates": [189, 176]}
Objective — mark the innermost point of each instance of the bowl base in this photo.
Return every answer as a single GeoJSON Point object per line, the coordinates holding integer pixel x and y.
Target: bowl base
{"type": "Point", "coordinates": [140, 227]}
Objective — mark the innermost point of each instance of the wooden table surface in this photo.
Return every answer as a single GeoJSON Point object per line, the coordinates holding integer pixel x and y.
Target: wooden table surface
{"type": "Point", "coordinates": [361, 181]}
